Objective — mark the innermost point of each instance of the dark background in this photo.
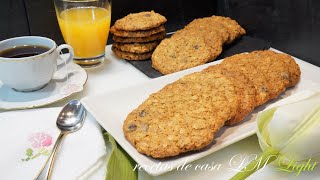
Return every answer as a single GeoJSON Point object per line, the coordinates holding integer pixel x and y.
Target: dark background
{"type": "Point", "coordinates": [293, 26]}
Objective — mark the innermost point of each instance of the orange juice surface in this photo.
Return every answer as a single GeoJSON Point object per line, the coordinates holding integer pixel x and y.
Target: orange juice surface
{"type": "Point", "coordinates": [86, 30]}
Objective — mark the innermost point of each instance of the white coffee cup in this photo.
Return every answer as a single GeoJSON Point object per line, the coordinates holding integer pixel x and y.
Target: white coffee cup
{"type": "Point", "coordinates": [33, 72]}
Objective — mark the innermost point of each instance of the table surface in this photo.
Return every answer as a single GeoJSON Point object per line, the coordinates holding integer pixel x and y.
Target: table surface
{"type": "Point", "coordinates": [114, 74]}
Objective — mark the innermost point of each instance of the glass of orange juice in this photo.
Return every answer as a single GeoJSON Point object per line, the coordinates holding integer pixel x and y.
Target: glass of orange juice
{"type": "Point", "coordinates": [85, 27]}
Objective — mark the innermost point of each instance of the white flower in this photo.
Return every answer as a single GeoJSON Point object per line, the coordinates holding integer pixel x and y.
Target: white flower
{"type": "Point", "coordinates": [292, 126]}
{"type": "Point", "coordinates": [289, 130]}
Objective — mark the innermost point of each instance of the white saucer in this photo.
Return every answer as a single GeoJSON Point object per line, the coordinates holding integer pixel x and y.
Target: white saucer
{"type": "Point", "coordinates": [67, 81]}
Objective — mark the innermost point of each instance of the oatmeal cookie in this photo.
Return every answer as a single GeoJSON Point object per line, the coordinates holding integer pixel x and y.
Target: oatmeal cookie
{"type": "Point", "coordinates": [138, 48]}
{"type": "Point", "coordinates": [224, 85]}
{"type": "Point", "coordinates": [240, 62]}
{"type": "Point", "coordinates": [131, 56]}
{"type": "Point", "coordinates": [153, 37]}
{"type": "Point", "coordinates": [245, 91]}
{"type": "Point", "coordinates": [178, 53]}
{"type": "Point", "coordinates": [212, 38]}
{"type": "Point", "coordinates": [181, 117]}
{"type": "Point", "coordinates": [140, 21]}
{"type": "Point", "coordinates": [206, 24]}
{"type": "Point", "coordinates": [275, 69]}
{"type": "Point", "coordinates": [139, 33]}
{"type": "Point", "coordinates": [294, 69]}
{"type": "Point", "coordinates": [234, 29]}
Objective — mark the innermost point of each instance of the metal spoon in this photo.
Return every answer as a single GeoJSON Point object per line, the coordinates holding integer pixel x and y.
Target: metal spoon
{"type": "Point", "coordinates": [70, 119]}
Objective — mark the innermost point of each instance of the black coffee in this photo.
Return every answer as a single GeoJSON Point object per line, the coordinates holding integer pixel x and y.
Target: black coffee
{"type": "Point", "coordinates": [23, 51]}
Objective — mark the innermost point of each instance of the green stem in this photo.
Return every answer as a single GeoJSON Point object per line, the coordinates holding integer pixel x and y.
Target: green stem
{"type": "Point", "coordinates": [35, 156]}
{"type": "Point", "coordinates": [266, 157]}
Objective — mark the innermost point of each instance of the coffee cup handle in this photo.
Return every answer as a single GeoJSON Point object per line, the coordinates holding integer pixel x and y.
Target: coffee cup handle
{"type": "Point", "coordinates": [71, 54]}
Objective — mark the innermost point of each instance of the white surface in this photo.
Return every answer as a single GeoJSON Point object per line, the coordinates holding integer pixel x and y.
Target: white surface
{"type": "Point", "coordinates": [115, 73]}
{"type": "Point", "coordinates": [76, 155]}
{"type": "Point", "coordinates": [30, 73]}
{"type": "Point", "coordinates": [68, 80]}
{"type": "Point", "coordinates": [111, 108]}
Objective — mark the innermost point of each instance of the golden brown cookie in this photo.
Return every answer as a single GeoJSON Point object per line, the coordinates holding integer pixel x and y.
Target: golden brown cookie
{"type": "Point", "coordinates": [234, 29]}
{"type": "Point", "coordinates": [153, 37]}
{"type": "Point", "coordinates": [139, 33]}
{"type": "Point", "coordinates": [211, 37]}
{"type": "Point", "coordinates": [131, 56]}
{"type": "Point", "coordinates": [181, 117]}
{"type": "Point", "coordinates": [244, 88]}
{"type": "Point", "coordinates": [207, 25]}
{"type": "Point", "coordinates": [241, 63]}
{"type": "Point", "coordinates": [226, 87]}
{"type": "Point", "coordinates": [294, 68]}
{"type": "Point", "coordinates": [140, 21]}
{"type": "Point", "coordinates": [138, 48]}
{"type": "Point", "coordinates": [275, 69]}
{"type": "Point", "coordinates": [178, 53]}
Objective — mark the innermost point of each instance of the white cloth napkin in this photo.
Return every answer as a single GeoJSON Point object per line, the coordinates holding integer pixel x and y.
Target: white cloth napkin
{"type": "Point", "coordinates": [27, 137]}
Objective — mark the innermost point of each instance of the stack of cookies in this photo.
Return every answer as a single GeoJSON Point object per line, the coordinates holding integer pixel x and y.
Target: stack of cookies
{"type": "Point", "coordinates": [137, 35]}
{"type": "Point", "coordinates": [185, 115]}
{"type": "Point", "coordinates": [197, 43]}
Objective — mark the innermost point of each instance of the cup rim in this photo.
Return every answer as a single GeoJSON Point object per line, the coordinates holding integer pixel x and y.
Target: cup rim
{"type": "Point", "coordinates": [29, 58]}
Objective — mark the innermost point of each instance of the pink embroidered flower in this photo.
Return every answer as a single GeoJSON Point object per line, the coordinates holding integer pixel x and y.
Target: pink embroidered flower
{"type": "Point", "coordinates": [40, 139]}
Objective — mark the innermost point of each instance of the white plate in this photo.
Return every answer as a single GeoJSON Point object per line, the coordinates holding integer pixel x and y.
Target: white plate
{"type": "Point", "coordinates": [60, 87]}
{"type": "Point", "coordinates": [111, 109]}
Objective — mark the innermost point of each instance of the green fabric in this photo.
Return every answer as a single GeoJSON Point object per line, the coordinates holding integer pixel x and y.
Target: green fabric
{"type": "Point", "coordinates": [120, 165]}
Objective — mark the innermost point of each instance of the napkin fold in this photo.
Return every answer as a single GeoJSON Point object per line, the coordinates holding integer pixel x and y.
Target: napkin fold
{"type": "Point", "coordinates": [27, 138]}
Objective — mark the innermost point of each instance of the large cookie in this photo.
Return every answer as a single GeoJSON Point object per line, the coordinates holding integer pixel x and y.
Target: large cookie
{"type": "Point", "coordinates": [131, 56]}
{"type": "Point", "coordinates": [181, 117]}
{"type": "Point", "coordinates": [240, 62]}
{"type": "Point", "coordinates": [275, 69]}
{"type": "Point", "coordinates": [140, 21]}
{"type": "Point", "coordinates": [211, 37]}
{"type": "Point", "coordinates": [207, 25]}
{"type": "Point", "coordinates": [234, 29]}
{"type": "Point", "coordinates": [136, 47]}
{"type": "Point", "coordinates": [153, 37]}
{"type": "Point", "coordinates": [294, 68]}
{"type": "Point", "coordinates": [178, 53]}
{"type": "Point", "coordinates": [245, 91]}
{"type": "Point", "coordinates": [224, 84]}
{"type": "Point", "coordinates": [141, 33]}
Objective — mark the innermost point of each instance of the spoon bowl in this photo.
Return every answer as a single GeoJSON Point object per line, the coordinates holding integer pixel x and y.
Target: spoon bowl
{"type": "Point", "coordinates": [71, 117]}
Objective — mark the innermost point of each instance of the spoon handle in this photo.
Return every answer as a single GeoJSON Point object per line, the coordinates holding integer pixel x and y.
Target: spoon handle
{"type": "Point", "coordinates": [45, 173]}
